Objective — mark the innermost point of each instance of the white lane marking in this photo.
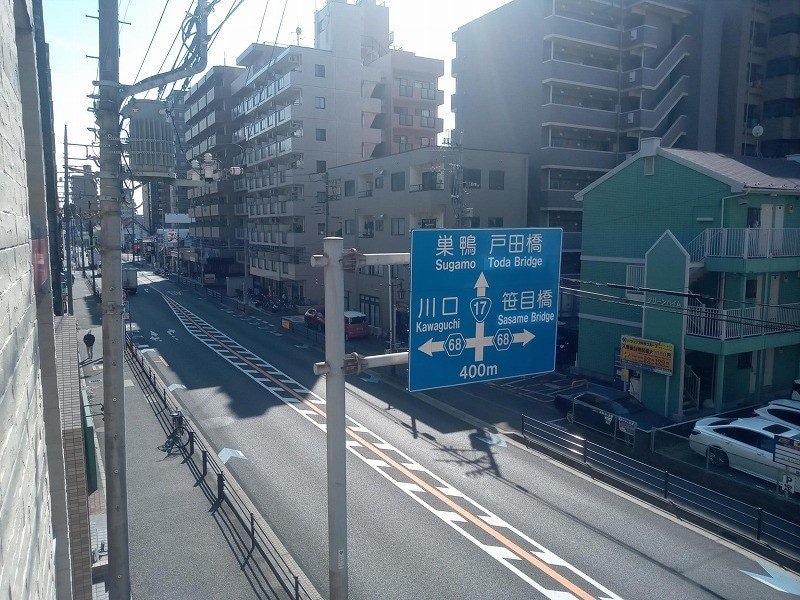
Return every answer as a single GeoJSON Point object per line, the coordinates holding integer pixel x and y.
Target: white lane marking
{"type": "Point", "coordinates": [412, 490]}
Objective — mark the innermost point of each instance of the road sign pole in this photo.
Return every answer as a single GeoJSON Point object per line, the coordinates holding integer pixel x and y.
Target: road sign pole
{"type": "Point", "coordinates": [334, 398]}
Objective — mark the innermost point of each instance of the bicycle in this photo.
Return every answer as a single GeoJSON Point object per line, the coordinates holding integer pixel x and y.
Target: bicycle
{"type": "Point", "coordinates": [180, 434]}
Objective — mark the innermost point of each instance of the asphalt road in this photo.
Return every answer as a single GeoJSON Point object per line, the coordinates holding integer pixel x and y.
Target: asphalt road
{"type": "Point", "coordinates": [436, 509]}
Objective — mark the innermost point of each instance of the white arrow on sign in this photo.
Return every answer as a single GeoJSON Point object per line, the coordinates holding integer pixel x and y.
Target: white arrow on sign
{"type": "Point", "coordinates": [524, 337]}
{"type": "Point", "coordinates": [481, 285]}
{"type": "Point", "coordinates": [430, 347]}
{"type": "Point", "coordinates": [777, 579]}
{"type": "Point", "coordinates": [228, 453]}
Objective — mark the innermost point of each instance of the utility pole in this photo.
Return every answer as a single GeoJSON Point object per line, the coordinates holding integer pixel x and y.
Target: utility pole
{"type": "Point", "coordinates": [108, 111]}
{"type": "Point", "coordinates": [67, 226]}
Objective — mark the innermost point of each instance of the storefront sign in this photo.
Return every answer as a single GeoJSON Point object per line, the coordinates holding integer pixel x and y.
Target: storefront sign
{"type": "Point", "coordinates": [646, 355]}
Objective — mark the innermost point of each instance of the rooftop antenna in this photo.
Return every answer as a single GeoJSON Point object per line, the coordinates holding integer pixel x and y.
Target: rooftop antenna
{"type": "Point", "coordinates": [297, 32]}
{"type": "Point", "coordinates": [758, 131]}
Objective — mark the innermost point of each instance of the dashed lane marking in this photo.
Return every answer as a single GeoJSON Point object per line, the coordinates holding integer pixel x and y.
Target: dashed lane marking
{"type": "Point", "coordinates": [543, 570]}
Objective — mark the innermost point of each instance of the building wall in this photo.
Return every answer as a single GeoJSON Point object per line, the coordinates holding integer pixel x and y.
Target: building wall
{"type": "Point", "coordinates": [367, 212]}
{"type": "Point", "coordinates": [26, 535]}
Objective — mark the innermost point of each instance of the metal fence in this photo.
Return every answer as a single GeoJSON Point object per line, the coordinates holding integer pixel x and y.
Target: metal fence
{"type": "Point", "coordinates": [751, 521]}
{"type": "Point", "coordinates": [208, 467]}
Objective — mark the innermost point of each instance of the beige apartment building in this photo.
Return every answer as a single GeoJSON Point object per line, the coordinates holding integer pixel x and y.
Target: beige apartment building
{"type": "Point", "coordinates": [298, 111]}
{"type": "Point", "coordinates": [375, 204]}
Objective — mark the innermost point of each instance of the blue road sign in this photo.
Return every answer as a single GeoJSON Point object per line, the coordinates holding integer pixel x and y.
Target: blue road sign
{"type": "Point", "coordinates": [484, 304]}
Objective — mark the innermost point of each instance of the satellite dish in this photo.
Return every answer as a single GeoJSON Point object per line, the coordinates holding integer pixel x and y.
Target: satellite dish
{"type": "Point", "coordinates": [758, 131]}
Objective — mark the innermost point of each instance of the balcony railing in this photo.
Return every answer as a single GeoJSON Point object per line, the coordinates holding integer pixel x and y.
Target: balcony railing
{"type": "Point", "coordinates": [736, 323]}
{"type": "Point", "coordinates": [745, 243]}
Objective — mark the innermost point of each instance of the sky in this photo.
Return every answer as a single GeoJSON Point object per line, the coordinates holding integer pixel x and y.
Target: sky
{"type": "Point", "coordinates": [421, 26]}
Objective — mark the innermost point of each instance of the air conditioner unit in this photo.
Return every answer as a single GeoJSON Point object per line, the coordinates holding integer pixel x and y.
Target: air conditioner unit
{"type": "Point", "coordinates": [297, 133]}
{"type": "Point", "coordinates": [293, 58]}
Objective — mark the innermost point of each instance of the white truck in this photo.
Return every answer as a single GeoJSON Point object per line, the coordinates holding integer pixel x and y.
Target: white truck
{"type": "Point", "coordinates": [130, 280]}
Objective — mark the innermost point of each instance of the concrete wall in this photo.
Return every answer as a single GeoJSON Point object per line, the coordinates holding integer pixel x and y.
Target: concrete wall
{"type": "Point", "coordinates": [26, 535]}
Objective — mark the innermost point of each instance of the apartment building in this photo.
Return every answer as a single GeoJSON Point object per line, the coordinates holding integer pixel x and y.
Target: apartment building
{"type": "Point", "coordinates": [375, 204]}
{"type": "Point", "coordinates": [298, 111]}
{"type": "Point", "coordinates": [724, 229]}
{"type": "Point", "coordinates": [606, 74]}
{"type": "Point", "coordinates": [207, 135]}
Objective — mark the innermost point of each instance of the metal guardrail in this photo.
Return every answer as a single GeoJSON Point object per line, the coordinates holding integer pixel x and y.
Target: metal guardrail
{"type": "Point", "coordinates": [729, 512]}
{"type": "Point", "coordinates": [241, 507]}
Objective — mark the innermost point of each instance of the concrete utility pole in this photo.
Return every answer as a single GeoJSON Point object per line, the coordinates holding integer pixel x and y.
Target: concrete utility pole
{"type": "Point", "coordinates": [108, 109]}
{"type": "Point", "coordinates": [67, 225]}
{"type": "Point", "coordinates": [331, 260]}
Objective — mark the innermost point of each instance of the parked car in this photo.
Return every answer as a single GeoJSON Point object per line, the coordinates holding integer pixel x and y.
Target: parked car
{"type": "Point", "coordinates": [785, 412]}
{"type": "Point", "coordinates": [745, 444]}
{"type": "Point", "coordinates": [598, 406]}
{"type": "Point", "coordinates": [315, 318]}
{"type": "Point", "coordinates": [355, 323]}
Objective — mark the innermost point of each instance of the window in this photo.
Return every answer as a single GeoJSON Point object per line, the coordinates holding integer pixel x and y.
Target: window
{"type": "Point", "coordinates": [427, 90]}
{"type": "Point", "coordinates": [745, 436]}
{"type": "Point", "coordinates": [379, 183]}
{"type": "Point", "coordinates": [784, 414]}
{"type": "Point", "coordinates": [350, 187]}
{"type": "Point", "coordinates": [472, 178]}
{"type": "Point", "coordinates": [321, 198]}
{"type": "Point", "coordinates": [426, 117]}
{"type": "Point", "coordinates": [398, 226]}
{"type": "Point", "coordinates": [379, 225]}
{"type": "Point", "coordinates": [430, 180]}
{"type": "Point", "coordinates": [495, 221]}
{"type": "Point", "coordinates": [402, 143]}
{"type": "Point", "coordinates": [398, 181]}
{"type": "Point", "coordinates": [404, 88]}
{"type": "Point", "coordinates": [424, 142]}
{"type": "Point", "coordinates": [403, 116]}
{"type": "Point", "coordinates": [322, 166]}
{"type": "Point", "coordinates": [320, 228]}
{"type": "Point", "coordinates": [319, 70]}
{"type": "Point", "coordinates": [473, 222]}
{"type": "Point", "coordinates": [497, 180]}
{"type": "Point", "coordinates": [751, 115]}
{"type": "Point", "coordinates": [371, 306]}
{"type": "Point", "coordinates": [349, 226]}
{"type": "Point", "coordinates": [649, 165]}
{"type": "Point", "coordinates": [744, 360]}
{"type": "Point", "coordinates": [319, 102]}
{"type": "Point", "coordinates": [322, 135]}
{"type": "Point", "coordinates": [758, 33]}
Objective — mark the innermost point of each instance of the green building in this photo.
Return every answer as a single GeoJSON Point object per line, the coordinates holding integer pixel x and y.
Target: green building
{"type": "Point", "coordinates": [701, 251]}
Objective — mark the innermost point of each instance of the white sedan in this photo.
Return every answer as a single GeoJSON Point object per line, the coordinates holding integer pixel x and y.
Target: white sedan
{"type": "Point", "coordinates": [785, 412]}
{"type": "Point", "coordinates": [743, 444]}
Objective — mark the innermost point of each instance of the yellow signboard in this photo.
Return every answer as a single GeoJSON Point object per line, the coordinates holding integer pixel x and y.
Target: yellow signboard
{"type": "Point", "coordinates": [646, 355]}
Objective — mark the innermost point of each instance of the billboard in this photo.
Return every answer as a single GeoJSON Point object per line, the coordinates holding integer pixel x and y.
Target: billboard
{"type": "Point", "coordinates": [646, 355]}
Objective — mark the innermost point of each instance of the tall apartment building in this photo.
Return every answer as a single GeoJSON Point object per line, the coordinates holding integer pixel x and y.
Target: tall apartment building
{"type": "Point", "coordinates": [602, 75]}
{"type": "Point", "coordinates": [207, 130]}
{"type": "Point", "coordinates": [298, 111]}
{"type": "Point", "coordinates": [178, 195]}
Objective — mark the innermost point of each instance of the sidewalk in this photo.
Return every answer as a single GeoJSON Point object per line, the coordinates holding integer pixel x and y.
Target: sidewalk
{"type": "Point", "coordinates": [182, 543]}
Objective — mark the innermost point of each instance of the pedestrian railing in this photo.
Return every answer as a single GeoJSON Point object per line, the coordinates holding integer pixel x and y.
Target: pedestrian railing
{"type": "Point", "coordinates": [724, 510]}
{"type": "Point", "coordinates": [209, 467]}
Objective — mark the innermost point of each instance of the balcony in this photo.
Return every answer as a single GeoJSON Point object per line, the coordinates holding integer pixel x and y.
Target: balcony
{"type": "Point", "coordinates": [553, 199]}
{"type": "Point", "coordinates": [574, 29]}
{"type": "Point", "coordinates": [651, 78]}
{"type": "Point", "coordinates": [747, 250]}
{"type": "Point", "coordinates": [644, 36]}
{"type": "Point", "coordinates": [737, 323]}
{"type": "Point", "coordinates": [578, 116]}
{"type": "Point", "coordinates": [559, 70]}
{"type": "Point", "coordinates": [553, 156]}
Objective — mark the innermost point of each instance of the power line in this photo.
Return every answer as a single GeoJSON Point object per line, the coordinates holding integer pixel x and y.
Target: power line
{"type": "Point", "coordinates": [689, 312]}
{"type": "Point", "coordinates": [150, 45]}
{"type": "Point", "coordinates": [261, 25]}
